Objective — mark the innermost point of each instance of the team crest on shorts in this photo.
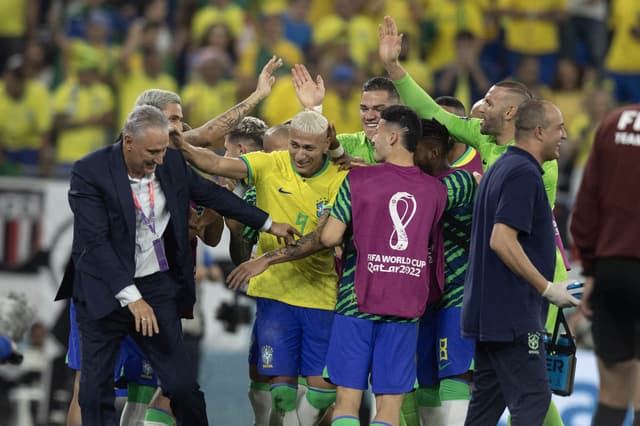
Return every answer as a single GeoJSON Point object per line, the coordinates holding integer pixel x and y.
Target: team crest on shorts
{"type": "Point", "coordinates": [534, 343]}
{"type": "Point", "coordinates": [267, 356]}
{"type": "Point", "coordinates": [147, 370]}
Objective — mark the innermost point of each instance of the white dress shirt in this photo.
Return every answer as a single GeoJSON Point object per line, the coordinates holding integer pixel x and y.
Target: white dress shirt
{"type": "Point", "coordinates": [145, 255]}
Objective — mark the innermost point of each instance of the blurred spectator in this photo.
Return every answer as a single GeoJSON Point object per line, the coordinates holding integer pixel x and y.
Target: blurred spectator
{"type": "Point", "coordinates": [347, 22]}
{"type": "Point", "coordinates": [597, 102]}
{"type": "Point", "coordinates": [622, 60]}
{"type": "Point", "coordinates": [218, 11]}
{"type": "Point", "coordinates": [463, 79]}
{"type": "Point", "coordinates": [584, 34]}
{"type": "Point", "coordinates": [219, 36]}
{"type": "Point", "coordinates": [447, 18]}
{"type": "Point", "coordinates": [528, 72]}
{"type": "Point", "coordinates": [96, 39]}
{"type": "Point", "coordinates": [270, 41]}
{"type": "Point", "coordinates": [210, 92]}
{"type": "Point", "coordinates": [531, 28]}
{"type": "Point", "coordinates": [342, 99]}
{"type": "Point", "coordinates": [296, 26]}
{"type": "Point", "coordinates": [84, 113]}
{"type": "Point", "coordinates": [133, 80]}
{"type": "Point", "coordinates": [38, 61]}
{"type": "Point", "coordinates": [566, 89]}
{"type": "Point", "coordinates": [18, 23]}
{"type": "Point", "coordinates": [25, 133]}
{"type": "Point", "coordinates": [410, 58]}
{"type": "Point", "coordinates": [282, 104]}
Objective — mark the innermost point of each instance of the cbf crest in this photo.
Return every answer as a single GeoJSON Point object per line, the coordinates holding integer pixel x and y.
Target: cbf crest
{"type": "Point", "coordinates": [533, 340]}
{"type": "Point", "coordinates": [147, 370]}
{"type": "Point", "coordinates": [267, 356]}
{"type": "Point", "coordinates": [321, 206]}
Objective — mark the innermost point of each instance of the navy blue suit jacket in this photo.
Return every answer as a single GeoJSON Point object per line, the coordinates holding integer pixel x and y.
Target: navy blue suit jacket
{"type": "Point", "coordinates": [104, 226]}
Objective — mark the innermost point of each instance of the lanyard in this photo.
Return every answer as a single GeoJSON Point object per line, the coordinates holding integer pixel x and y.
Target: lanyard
{"type": "Point", "coordinates": [151, 221]}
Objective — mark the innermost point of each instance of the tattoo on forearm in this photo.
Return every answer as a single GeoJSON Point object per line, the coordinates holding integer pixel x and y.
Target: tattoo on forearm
{"type": "Point", "coordinates": [305, 246]}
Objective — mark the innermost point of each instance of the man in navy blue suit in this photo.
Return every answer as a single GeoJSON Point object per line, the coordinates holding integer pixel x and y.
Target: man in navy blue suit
{"type": "Point", "coordinates": [133, 272]}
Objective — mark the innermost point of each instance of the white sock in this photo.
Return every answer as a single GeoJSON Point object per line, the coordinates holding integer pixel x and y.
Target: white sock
{"type": "Point", "coordinates": [133, 413]}
{"type": "Point", "coordinates": [308, 415]}
{"type": "Point", "coordinates": [261, 404]}
{"type": "Point", "coordinates": [455, 411]}
{"type": "Point", "coordinates": [150, 423]}
{"type": "Point", "coordinates": [290, 418]}
{"type": "Point", "coordinates": [275, 418]}
{"type": "Point", "coordinates": [432, 416]}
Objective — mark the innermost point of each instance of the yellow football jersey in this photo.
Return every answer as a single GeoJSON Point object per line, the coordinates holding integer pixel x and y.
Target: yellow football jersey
{"type": "Point", "coordinates": [310, 282]}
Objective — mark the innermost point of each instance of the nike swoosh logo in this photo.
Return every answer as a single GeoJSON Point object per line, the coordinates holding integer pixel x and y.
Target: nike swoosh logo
{"type": "Point", "coordinates": [282, 191]}
{"type": "Point", "coordinates": [442, 367]}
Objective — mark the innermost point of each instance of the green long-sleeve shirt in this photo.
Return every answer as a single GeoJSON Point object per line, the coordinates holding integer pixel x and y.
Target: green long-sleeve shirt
{"type": "Point", "coordinates": [467, 131]}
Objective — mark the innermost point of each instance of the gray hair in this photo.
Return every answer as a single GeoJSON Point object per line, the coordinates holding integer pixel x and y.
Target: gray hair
{"type": "Point", "coordinates": [144, 117]}
{"type": "Point", "coordinates": [310, 122]}
{"type": "Point", "coordinates": [158, 98]}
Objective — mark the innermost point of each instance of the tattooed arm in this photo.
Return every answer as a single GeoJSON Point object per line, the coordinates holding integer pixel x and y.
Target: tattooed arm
{"type": "Point", "coordinates": [305, 246]}
{"type": "Point", "coordinates": [211, 134]}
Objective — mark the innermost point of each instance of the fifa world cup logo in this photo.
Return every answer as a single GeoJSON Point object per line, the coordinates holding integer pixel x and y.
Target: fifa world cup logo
{"type": "Point", "coordinates": [402, 207]}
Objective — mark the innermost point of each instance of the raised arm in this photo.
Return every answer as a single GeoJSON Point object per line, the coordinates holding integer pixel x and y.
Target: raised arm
{"type": "Point", "coordinates": [412, 95]}
{"type": "Point", "coordinates": [208, 161]}
{"type": "Point", "coordinates": [211, 134]}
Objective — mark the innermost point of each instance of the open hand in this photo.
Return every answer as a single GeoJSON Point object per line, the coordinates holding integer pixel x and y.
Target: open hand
{"type": "Point", "coordinates": [390, 41]}
{"type": "Point", "coordinates": [266, 77]}
{"type": "Point", "coordinates": [310, 93]}
{"type": "Point", "coordinates": [146, 322]}
{"type": "Point", "coordinates": [245, 271]}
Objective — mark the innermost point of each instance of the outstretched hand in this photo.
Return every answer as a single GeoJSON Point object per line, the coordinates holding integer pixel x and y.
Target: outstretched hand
{"type": "Point", "coordinates": [285, 232]}
{"type": "Point", "coordinates": [266, 77]}
{"type": "Point", "coordinates": [310, 93]}
{"type": "Point", "coordinates": [245, 271]}
{"type": "Point", "coordinates": [390, 41]}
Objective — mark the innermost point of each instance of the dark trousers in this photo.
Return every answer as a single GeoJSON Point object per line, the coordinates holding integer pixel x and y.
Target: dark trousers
{"type": "Point", "coordinates": [100, 343]}
{"type": "Point", "coordinates": [510, 374]}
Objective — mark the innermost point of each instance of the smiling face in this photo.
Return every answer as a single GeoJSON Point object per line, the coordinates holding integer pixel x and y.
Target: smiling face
{"type": "Point", "coordinates": [371, 106]}
{"type": "Point", "coordinates": [493, 110]}
{"type": "Point", "coordinates": [307, 151]}
{"type": "Point", "coordinates": [553, 135]}
{"type": "Point", "coordinates": [145, 151]}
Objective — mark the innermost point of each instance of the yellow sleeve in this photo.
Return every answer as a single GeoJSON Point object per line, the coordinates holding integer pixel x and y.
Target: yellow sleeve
{"type": "Point", "coordinates": [61, 99]}
{"type": "Point", "coordinates": [256, 163]}
{"type": "Point", "coordinates": [42, 107]}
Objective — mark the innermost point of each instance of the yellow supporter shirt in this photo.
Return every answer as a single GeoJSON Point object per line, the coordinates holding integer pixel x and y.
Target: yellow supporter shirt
{"type": "Point", "coordinates": [361, 32]}
{"type": "Point", "coordinates": [232, 16]}
{"type": "Point", "coordinates": [253, 58]}
{"type": "Point", "coordinates": [14, 18]}
{"type": "Point", "coordinates": [205, 102]}
{"type": "Point", "coordinates": [344, 114]}
{"type": "Point", "coordinates": [310, 282]}
{"type": "Point", "coordinates": [136, 82]}
{"type": "Point", "coordinates": [81, 103]}
{"type": "Point", "coordinates": [282, 104]}
{"type": "Point", "coordinates": [108, 56]}
{"type": "Point", "coordinates": [532, 36]}
{"type": "Point", "coordinates": [451, 17]}
{"type": "Point", "coordinates": [625, 48]}
{"type": "Point", "coordinates": [26, 119]}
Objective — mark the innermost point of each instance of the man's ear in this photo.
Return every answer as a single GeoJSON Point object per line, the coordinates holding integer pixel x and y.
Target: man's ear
{"type": "Point", "coordinates": [511, 112]}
